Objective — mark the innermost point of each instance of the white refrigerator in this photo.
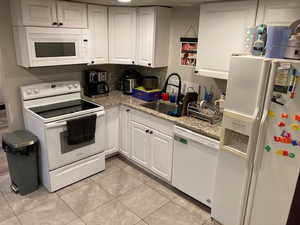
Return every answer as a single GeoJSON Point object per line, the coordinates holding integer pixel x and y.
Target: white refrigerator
{"type": "Point", "coordinates": [259, 161]}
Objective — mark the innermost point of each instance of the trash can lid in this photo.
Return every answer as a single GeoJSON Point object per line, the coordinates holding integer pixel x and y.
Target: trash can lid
{"type": "Point", "coordinates": [19, 139]}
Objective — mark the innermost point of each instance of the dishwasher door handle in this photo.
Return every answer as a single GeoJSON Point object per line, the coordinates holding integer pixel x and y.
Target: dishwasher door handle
{"type": "Point", "coordinates": [181, 140]}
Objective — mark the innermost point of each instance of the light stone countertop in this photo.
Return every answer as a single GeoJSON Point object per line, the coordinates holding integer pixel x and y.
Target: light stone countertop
{"type": "Point", "coordinates": [199, 126]}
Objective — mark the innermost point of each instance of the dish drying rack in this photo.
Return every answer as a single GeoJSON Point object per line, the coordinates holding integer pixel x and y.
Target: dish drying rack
{"type": "Point", "coordinates": [206, 112]}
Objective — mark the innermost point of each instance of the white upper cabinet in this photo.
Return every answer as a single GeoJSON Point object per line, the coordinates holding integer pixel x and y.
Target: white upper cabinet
{"type": "Point", "coordinates": [71, 14]}
{"type": "Point", "coordinates": [222, 30]}
{"type": "Point", "coordinates": [33, 13]}
{"type": "Point", "coordinates": [278, 12]}
{"type": "Point", "coordinates": [122, 35]}
{"type": "Point", "coordinates": [98, 34]}
{"type": "Point", "coordinates": [153, 36]}
{"type": "Point", "coordinates": [48, 13]}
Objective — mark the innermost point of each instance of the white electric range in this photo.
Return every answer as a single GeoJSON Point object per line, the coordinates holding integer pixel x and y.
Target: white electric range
{"type": "Point", "coordinates": [46, 109]}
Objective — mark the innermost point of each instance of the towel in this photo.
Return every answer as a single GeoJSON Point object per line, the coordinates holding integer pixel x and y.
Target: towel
{"type": "Point", "coordinates": [81, 130]}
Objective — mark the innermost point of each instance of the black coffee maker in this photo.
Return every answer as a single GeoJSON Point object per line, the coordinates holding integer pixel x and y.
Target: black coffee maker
{"type": "Point", "coordinates": [96, 83]}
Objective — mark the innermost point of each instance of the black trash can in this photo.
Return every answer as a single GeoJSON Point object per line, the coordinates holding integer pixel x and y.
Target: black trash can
{"type": "Point", "coordinates": [21, 149]}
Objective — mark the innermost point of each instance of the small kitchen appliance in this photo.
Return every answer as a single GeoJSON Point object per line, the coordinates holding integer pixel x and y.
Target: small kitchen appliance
{"type": "Point", "coordinates": [150, 82]}
{"type": "Point", "coordinates": [96, 83]}
{"type": "Point", "coordinates": [130, 80]}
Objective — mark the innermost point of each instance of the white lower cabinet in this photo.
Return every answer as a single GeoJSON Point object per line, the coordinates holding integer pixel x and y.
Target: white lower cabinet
{"type": "Point", "coordinates": [139, 143]}
{"type": "Point", "coordinates": [112, 128]}
{"type": "Point", "coordinates": [124, 131]}
{"type": "Point", "coordinates": [161, 154]}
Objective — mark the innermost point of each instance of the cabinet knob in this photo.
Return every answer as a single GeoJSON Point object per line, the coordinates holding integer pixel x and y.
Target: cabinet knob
{"type": "Point", "coordinates": [85, 40]}
{"type": "Point", "coordinates": [54, 23]}
{"type": "Point", "coordinates": [196, 71]}
{"type": "Point", "coordinates": [208, 200]}
{"type": "Point", "coordinates": [127, 110]}
{"type": "Point", "coordinates": [60, 24]}
{"type": "Point", "coordinates": [147, 131]}
{"type": "Point", "coordinates": [151, 132]}
{"type": "Point", "coordinates": [92, 62]}
{"type": "Point", "coordinates": [133, 62]}
{"type": "Point", "coordinates": [149, 64]}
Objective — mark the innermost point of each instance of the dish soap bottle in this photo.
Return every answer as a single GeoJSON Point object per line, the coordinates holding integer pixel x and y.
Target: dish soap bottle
{"type": "Point", "coordinates": [220, 103]}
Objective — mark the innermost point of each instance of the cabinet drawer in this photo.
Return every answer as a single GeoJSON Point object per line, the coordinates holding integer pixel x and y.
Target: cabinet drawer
{"type": "Point", "coordinates": [153, 122]}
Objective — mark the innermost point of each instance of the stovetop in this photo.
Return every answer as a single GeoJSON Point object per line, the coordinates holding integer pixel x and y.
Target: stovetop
{"type": "Point", "coordinates": [63, 108]}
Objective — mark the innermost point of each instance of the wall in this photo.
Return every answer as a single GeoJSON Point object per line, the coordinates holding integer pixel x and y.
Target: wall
{"type": "Point", "coordinates": [15, 76]}
{"type": "Point", "coordinates": [182, 19]}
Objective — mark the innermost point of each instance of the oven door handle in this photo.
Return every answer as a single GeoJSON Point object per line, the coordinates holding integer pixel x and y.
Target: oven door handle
{"type": "Point", "coordinates": [64, 123]}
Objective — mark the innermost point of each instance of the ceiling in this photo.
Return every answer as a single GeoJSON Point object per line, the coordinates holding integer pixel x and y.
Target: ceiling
{"type": "Point", "coordinates": [149, 2]}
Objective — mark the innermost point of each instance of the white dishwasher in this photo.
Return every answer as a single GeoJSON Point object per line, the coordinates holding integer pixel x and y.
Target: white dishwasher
{"type": "Point", "coordinates": [194, 164]}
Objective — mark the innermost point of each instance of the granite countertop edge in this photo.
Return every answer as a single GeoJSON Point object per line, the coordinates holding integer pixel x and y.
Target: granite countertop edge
{"type": "Point", "coordinates": [116, 98]}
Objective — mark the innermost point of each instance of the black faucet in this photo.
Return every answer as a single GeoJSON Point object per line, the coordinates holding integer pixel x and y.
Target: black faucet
{"type": "Point", "coordinates": [178, 86]}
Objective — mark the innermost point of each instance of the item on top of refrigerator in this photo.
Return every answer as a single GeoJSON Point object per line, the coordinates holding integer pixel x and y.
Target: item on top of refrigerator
{"type": "Point", "coordinates": [259, 45]}
{"type": "Point", "coordinates": [249, 39]}
{"type": "Point", "coordinates": [277, 41]}
{"type": "Point", "coordinates": [293, 49]}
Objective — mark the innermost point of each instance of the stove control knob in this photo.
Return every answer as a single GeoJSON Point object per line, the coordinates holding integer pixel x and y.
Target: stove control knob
{"type": "Point", "coordinates": [75, 85]}
{"type": "Point", "coordinates": [36, 91]}
{"type": "Point", "coordinates": [69, 86]}
{"type": "Point", "coordinates": [29, 91]}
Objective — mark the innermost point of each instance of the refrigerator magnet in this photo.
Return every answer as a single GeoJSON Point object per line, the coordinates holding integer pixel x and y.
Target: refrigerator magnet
{"type": "Point", "coordinates": [295, 126]}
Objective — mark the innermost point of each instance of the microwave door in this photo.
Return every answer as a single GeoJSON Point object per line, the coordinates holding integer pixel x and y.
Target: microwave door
{"type": "Point", "coordinates": [58, 49]}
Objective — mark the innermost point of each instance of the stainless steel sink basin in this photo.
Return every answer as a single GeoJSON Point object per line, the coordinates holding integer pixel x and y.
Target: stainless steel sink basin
{"type": "Point", "coordinates": [160, 107]}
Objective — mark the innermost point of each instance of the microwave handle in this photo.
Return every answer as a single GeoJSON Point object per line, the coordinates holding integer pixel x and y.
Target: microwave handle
{"type": "Point", "coordinates": [64, 123]}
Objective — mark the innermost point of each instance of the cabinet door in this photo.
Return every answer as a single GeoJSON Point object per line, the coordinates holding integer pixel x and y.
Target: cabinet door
{"type": "Point", "coordinates": [139, 143]}
{"type": "Point", "coordinates": [161, 154]}
{"type": "Point", "coordinates": [278, 12]}
{"type": "Point", "coordinates": [122, 35]}
{"type": "Point", "coordinates": [146, 36]}
{"type": "Point", "coordinates": [124, 131]}
{"type": "Point", "coordinates": [39, 13]}
{"type": "Point", "coordinates": [112, 130]}
{"type": "Point", "coordinates": [222, 30]}
{"type": "Point", "coordinates": [71, 14]}
{"type": "Point", "coordinates": [98, 34]}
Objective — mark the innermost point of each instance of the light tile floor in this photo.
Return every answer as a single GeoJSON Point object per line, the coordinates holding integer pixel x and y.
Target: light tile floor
{"type": "Point", "coordinates": [121, 195]}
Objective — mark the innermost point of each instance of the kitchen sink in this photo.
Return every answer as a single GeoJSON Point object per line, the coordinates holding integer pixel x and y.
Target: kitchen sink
{"type": "Point", "coordinates": [161, 107]}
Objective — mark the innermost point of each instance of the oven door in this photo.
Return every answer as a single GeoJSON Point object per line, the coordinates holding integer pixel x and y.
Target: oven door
{"type": "Point", "coordinates": [61, 154]}
{"type": "Point", "coordinates": [57, 46]}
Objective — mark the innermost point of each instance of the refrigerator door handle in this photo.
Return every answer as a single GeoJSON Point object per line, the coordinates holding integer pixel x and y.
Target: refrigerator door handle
{"type": "Point", "coordinates": [263, 125]}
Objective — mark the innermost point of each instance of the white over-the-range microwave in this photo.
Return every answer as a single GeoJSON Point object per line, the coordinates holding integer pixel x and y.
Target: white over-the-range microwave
{"type": "Point", "coordinates": [36, 46]}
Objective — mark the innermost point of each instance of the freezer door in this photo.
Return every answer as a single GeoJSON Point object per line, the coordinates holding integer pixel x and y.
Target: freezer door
{"type": "Point", "coordinates": [246, 84]}
{"type": "Point", "coordinates": [277, 162]}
